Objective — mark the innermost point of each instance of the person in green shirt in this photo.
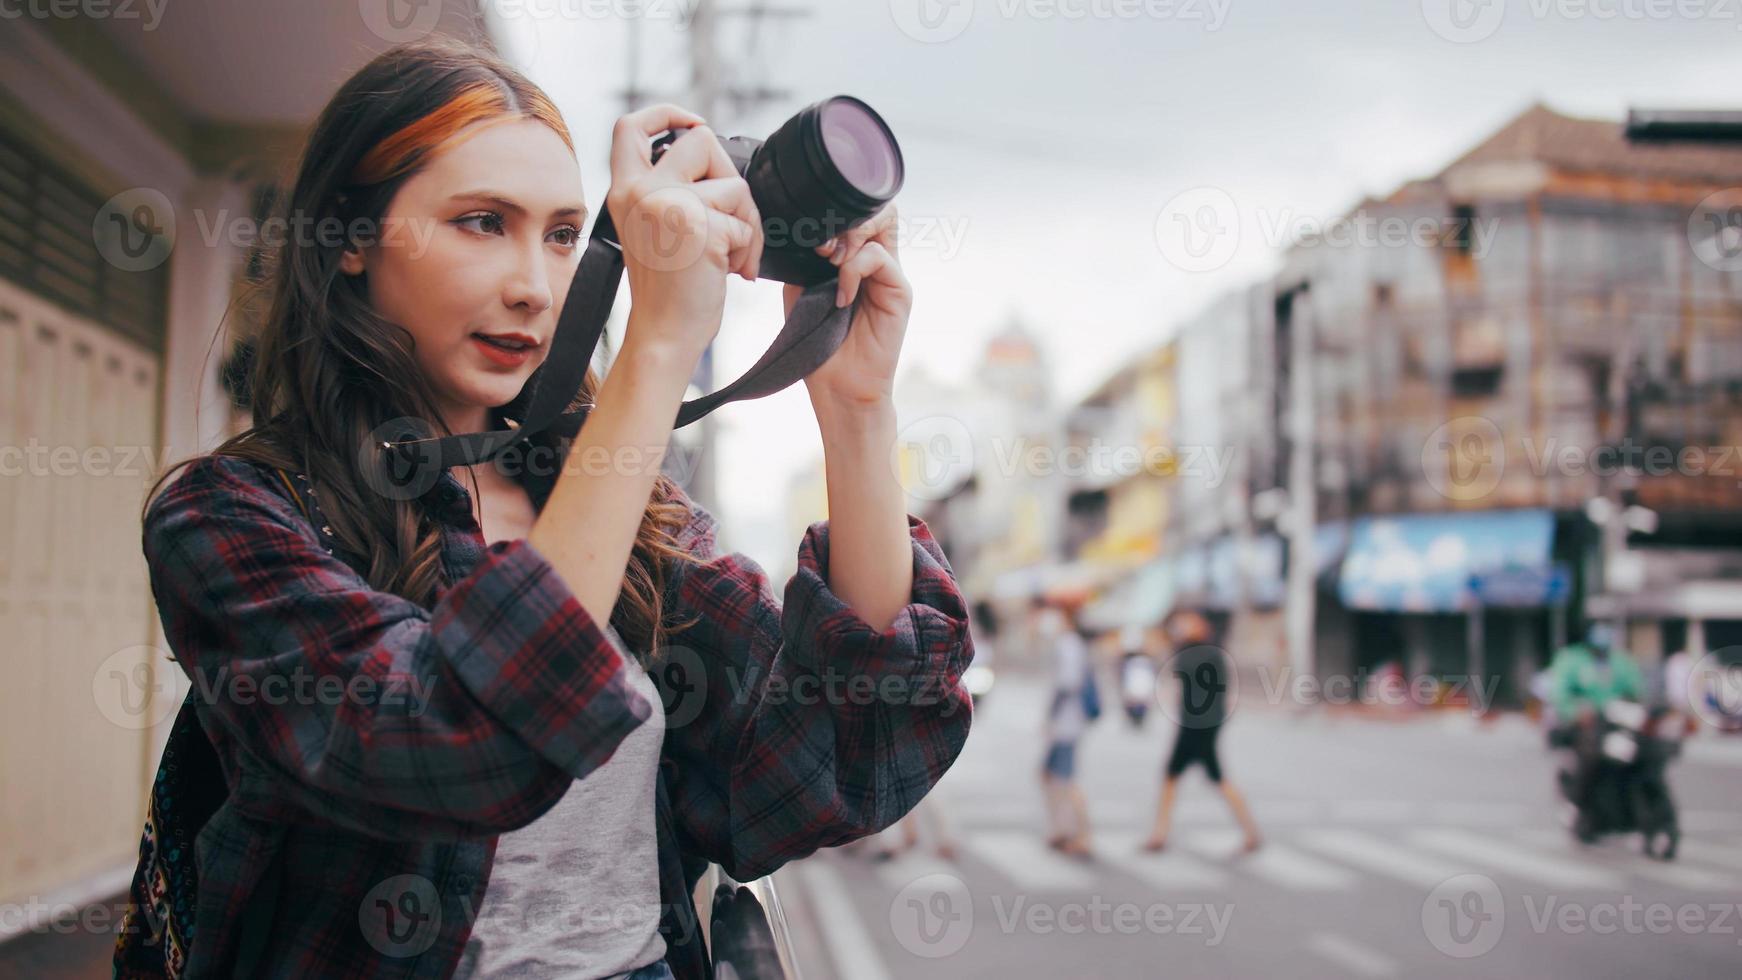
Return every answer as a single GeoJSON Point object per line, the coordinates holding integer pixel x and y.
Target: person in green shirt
{"type": "Point", "coordinates": [1586, 676]}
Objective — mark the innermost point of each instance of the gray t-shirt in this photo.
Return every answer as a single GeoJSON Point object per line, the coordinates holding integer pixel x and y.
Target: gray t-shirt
{"type": "Point", "coordinates": [575, 893]}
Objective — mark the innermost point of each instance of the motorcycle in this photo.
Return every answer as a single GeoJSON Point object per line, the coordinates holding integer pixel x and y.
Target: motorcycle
{"type": "Point", "coordinates": [1631, 748]}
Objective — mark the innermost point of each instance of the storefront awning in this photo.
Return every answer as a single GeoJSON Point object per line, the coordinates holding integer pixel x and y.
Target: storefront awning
{"type": "Point", "coordinates": [1452, 562]}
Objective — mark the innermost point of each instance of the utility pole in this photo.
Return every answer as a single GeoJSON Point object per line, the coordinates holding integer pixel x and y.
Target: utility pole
{"type": "Point", "coordinates": [709, 85]}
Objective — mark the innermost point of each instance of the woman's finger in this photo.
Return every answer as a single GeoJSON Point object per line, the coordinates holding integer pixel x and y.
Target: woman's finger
{"type": "Point", "coordinates": [873, 261]}
{"type": "Point", "coordinates": [692, 157]}
{"type": "Point", "coordinates": [880, 227]}
{"type": "Point", "coordinates": [732, 195]}
{"type": "Point", "coordinates": [632, 136]}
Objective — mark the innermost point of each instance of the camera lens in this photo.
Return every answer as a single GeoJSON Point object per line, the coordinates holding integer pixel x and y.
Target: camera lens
{"type": "Point", "coordinates": [860, 147]}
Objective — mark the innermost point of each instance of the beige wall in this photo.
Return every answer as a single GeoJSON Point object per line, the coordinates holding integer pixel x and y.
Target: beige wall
{"type": "Point", "coordinates": [75, 612]}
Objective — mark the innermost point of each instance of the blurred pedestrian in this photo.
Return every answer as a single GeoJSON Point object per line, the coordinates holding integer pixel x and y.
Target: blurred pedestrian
{"type": "Point", "coordinates": [1074, 704]}
{"type": "Point", "coordinates": [1136, 675]}
{"type": "Point", "coordinates": [1205, 677]}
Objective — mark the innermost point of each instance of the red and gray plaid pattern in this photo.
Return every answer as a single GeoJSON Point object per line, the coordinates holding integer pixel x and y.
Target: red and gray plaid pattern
{"type": "Point", "coordinates": [375, 748]}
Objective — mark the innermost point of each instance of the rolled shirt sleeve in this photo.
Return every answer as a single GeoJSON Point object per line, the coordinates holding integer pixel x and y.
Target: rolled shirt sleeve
{"type": "Point", "coordinates": [468, 718]}
{"type": "Point", "coordinates": [798, 725]}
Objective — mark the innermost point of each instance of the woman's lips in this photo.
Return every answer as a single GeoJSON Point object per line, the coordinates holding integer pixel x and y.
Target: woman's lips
{"type": "Point", "coordinates": [502, 355]}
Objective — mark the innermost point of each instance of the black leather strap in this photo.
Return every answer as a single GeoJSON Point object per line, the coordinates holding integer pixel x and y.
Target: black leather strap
{"type": "Point", "coordinates": [812, 333]}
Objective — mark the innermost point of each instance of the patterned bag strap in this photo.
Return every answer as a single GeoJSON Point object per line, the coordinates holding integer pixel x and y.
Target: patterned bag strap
{"type": "Point", "coordinates": [304, 494]}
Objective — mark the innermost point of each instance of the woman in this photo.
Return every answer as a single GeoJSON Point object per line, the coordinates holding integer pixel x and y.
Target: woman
{"type": "Point", "coordinates": [557, 701]}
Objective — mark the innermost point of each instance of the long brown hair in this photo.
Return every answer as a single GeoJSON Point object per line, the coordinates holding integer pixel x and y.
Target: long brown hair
{"type": "Point", "coordinates": [328, 370]}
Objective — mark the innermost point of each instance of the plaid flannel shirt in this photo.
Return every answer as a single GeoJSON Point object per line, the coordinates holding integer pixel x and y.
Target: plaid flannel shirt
{"type": "Point", "coordinates": [471, 717]}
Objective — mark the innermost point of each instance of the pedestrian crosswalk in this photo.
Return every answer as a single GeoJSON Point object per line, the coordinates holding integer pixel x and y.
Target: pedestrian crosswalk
{"type": "Point", "coordinates": [1326, 860]}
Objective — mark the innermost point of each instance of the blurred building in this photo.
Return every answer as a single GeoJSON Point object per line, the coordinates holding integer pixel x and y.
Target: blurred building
{"type": "Point", "coordinates": [1523, 380]}
{"type": "Point", "coordinates": [1459, 422]}
{"type": "Point", "coordinates": [135, 158]}
{"type": "Point", "coordinates": [980, 465]}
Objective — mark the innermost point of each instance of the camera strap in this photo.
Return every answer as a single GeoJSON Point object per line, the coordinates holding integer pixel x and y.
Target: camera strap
{"type": "Point", "coordinates": [812, 333]}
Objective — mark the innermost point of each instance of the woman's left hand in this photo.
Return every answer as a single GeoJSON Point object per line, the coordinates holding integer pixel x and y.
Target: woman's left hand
{"type": "Point", "coordinates": [862, 371]}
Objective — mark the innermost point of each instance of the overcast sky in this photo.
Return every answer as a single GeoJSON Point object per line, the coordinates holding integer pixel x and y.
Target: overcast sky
{"type": "Point", "coordinates": [1042, 148]}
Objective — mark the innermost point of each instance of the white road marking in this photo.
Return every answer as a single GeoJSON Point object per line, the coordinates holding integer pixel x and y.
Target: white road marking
{"type": "Point", "coordinates": [1352, 956]}
{"type": "Point", "coordinates": [1168, 871]}
{"type": "Point", "coordinates": [1383, 857]}
{"type": "Point", "coordinates": [848, 943]}
{"type": "Point", "coordinates": [1025, 859]}
{"type": "Point", "coordinates": [1730, 857]}
{"type": "Point", "coordinates": [1515, 859]}
{"type": "Point", "coordinates": [1676, 873]}
{"type": "Point", "coordinates": [1273, 862]}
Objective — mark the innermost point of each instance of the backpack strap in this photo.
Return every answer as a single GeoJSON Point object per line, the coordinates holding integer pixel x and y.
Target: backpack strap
{"type": "Point", "coordinates": [304, 495]}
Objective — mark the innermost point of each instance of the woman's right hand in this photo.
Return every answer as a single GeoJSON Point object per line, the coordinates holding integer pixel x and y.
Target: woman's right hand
{"type": "Point", "coordinates": [683, 223]}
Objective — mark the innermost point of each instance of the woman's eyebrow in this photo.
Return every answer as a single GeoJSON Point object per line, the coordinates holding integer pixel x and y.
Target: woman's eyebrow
{"type": "Point", "coordinates": [575, 211]}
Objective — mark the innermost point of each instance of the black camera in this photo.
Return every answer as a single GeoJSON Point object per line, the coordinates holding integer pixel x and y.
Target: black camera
{"type": "Point", "coordinates": [825, 170]}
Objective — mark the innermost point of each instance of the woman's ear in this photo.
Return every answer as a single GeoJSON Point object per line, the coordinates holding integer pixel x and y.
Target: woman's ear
{"type": "Point", "coordinates": [351, 261]}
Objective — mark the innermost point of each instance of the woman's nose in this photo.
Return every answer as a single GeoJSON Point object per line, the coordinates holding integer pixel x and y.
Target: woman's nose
{"type": "Point", "coordinates": [529, 287]}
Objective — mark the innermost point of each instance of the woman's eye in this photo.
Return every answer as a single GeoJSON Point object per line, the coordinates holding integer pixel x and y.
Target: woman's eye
{"type": "Point", "coordinates": [568, 236]}
{"type": "Point", "coordinates": [484, 222]}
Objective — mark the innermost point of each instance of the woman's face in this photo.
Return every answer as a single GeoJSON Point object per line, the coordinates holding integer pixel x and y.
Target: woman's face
{"type": "Point", "coordinates": [480, 243]}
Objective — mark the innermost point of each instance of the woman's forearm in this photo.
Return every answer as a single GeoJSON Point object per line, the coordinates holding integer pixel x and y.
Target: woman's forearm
{"type": "Point", "coordinates": [870, 549]}
{"type": "Point", "coordinates": [588, 525]}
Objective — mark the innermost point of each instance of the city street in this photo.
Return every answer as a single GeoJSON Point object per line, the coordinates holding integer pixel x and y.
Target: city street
{"type": "Point", "coordinates": [1423, 848]}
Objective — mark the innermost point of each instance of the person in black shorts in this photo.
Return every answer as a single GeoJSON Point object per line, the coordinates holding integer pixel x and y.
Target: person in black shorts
{"type": "Point", "coordinates": [1205, 680]}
